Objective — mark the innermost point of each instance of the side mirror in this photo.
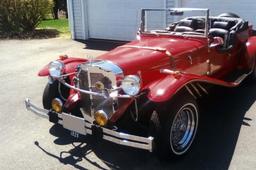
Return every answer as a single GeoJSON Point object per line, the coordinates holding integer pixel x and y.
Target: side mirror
{"type": "Point", "coordinates": [216, 42]}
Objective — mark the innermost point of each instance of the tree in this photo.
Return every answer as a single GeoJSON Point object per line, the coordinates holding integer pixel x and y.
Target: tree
{"type": "Point", "coordinates": [18, 16]}
{"type": "Point", "coordinates": [59, 5]}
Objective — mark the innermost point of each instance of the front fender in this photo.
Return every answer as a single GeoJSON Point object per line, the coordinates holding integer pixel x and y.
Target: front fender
{"type": "Point", "coordinates": [250, 52]}
{"type": "Point", "coordinates": [251, 46]}
{"type": "Point", "coordinates": [70, 66]}
{"type": "Point", "coordinates": [165, 88]}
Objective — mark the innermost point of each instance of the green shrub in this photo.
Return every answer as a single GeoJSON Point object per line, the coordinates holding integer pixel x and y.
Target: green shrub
{"type": "Point", "coordinates": [18, 16]}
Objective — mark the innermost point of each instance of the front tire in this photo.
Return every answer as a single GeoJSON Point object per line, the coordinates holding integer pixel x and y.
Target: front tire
{"type": "Point", "coordinates": [52, 91]}
{"type": "Point", "coordinates": [179, 127]}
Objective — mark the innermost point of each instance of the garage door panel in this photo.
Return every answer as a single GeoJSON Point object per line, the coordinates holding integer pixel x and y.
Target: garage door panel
{"type": "Point", "coordinates": [117, 19]}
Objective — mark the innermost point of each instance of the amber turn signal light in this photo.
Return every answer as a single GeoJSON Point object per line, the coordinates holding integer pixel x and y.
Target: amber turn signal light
{"type": "Point", "coordinates": [101, 117]}
{"type": "Point", "coordinates": [57, 105]}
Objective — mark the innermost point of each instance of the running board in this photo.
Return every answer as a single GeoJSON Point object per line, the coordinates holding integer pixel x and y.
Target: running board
{"type": "Point", "coordinates": [240, 79]}
{"type": "Point", "coordinates": [235, 83]}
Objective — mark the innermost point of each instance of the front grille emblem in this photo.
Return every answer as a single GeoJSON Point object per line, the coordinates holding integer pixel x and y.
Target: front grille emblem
{"type": "Point", "coordinates": [99, 85]}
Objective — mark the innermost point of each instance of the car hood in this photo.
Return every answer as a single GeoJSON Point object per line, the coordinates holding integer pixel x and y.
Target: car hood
{"type": "Point", "coordinates": [141, 55]}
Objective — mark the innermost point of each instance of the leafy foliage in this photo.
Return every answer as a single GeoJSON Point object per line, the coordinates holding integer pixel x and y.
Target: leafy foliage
{"type": "Point", "coordinates": [17, 16]}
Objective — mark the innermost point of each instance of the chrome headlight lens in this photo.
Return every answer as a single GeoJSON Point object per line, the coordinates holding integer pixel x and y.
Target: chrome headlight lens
{"type": "Point", "coordinates": [55, 69]}
{"type": "Point", "coordinates": [131, 85]}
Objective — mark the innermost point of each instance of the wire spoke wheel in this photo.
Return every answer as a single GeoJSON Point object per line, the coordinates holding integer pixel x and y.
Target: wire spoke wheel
{"type": "Point", "coordinates": [183, 128]}
{"type": "Point", "coordinates": [178, 122]}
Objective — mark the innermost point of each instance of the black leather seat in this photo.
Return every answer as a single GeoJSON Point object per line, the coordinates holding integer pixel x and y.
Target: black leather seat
{"type": "Point", "coordinates": [221, 29]}
{"type": "Point", "coordinates": [222, 24]}
{"type": "Point", "coordinates": [183, 29]}
{"type": "Point", "coordinates": [186, 25]}
{"type": "Point", "coordinates": [218, 32]}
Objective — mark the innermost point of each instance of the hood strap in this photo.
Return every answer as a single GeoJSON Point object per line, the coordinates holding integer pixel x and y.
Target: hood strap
{"type": "Point", "coordinates": [168, 53]}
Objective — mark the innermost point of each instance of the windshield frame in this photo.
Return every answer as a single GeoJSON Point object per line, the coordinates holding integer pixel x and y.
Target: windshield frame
{"type": "Point", "coordinates": [143, 18]}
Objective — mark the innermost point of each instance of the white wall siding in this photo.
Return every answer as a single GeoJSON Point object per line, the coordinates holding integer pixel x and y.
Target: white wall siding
{"type": "Point", "coordinates": [119, 19]}
{"type": "Point", "coordinates": [170, 4]}
{"type": "Point", "coordinates": [80, 31]}
{"type": "Point", "coordinates": [244, 8]}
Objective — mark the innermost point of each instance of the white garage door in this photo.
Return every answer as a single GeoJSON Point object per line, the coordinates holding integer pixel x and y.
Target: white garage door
{"type": "Point", "coordinates": [117, 19]}
{"type": "Point", "coordinates": [244, 8]}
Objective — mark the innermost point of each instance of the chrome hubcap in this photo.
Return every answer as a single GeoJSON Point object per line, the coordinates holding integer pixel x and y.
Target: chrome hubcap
{"type": "Point", "coordinates": [183, 128]}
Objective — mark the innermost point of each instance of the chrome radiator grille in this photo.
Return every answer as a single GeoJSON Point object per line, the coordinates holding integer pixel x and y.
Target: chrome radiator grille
{"type": "Point", "coordinates": [97, 80]}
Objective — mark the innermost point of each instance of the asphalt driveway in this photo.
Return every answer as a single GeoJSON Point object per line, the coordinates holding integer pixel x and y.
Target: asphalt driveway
{"type": "Point", "coordinates": [226, 140]}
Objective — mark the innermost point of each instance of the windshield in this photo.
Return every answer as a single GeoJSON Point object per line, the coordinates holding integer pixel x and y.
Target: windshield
{"type": "Point", "coordinates": [175, 21]}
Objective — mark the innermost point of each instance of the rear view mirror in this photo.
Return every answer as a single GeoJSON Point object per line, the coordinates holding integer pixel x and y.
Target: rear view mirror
{"type": "Point", "coordinates": [176, 12]}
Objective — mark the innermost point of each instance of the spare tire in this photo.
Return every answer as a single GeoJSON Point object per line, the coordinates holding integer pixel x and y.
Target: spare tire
{"type": "Point", "coordinates": [229, 14]}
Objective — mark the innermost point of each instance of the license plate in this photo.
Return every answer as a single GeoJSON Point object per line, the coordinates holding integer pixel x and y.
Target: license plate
{"type": "Point", "coordinates": [74, 134]}
{"type": "Point", "coordinates": [75, 124]}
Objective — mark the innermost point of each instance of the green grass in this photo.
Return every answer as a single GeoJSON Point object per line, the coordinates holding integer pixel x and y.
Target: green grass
{"type": "Point", "coordinates": [61, 25]}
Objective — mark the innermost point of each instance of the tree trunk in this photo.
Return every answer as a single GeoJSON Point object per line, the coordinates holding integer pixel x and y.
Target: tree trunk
{"type": "Point", "coordinates": [56, 9]}
{"type": "Point", "coordinates": [55, 12]}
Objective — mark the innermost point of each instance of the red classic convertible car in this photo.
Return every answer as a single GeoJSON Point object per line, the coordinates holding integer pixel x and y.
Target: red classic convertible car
{"type": "Point", "coordinates": [145, 94]}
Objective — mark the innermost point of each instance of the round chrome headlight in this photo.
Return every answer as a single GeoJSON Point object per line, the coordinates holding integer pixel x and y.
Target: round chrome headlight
{"type": "Point", "coordinates": [131, 85]}
{"type": "Point", "coordinates": [55, 69]}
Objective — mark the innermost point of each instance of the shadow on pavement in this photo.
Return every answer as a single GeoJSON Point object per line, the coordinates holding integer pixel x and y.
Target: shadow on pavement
{"type": "Point", "coordinates": [222, 117]}
{"type": "Point", "coordinates": [99, 44]}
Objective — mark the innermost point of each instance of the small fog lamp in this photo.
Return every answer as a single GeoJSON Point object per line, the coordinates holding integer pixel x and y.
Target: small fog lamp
{"type": "Point", "coordinates": [101, 117]}
{"type": "Point", "coordinates": [57, 105]}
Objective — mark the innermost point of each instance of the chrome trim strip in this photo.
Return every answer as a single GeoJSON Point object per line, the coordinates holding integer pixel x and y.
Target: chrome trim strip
{"type": "Point", "coordinates": [106, 65]}
{"type": "Point", "coordinates": [168, 53]}
{"type": "Point", "coordinates": [242, 77]}
{"type": "Point", "coordinates": [127, 136]}
{"type": "Point", "coordinates": [197, 91]}
{"type": "Point", "coordinates": [143, 29]}
{"type": "Point", "coordinates": [167, 71]}
{"type": "Point", "coordinates": [120, 138]}
{"type": "Point", "coordinates": [188, 89]}
{"type": "Point", "coordinates": [90, 89]}
{"type": "Point", "coordinates": [38, 111]}
{"type": "Point", "coordinates": [129, 143]}
{"type": "Point", "coordinates": [81, 90]}
{"type": "Point", "coordinates": [144, 47]}
{"type": "Point", "coordinates": [202, 88]}
{"type": "Point", "coordinates": [94, 93]}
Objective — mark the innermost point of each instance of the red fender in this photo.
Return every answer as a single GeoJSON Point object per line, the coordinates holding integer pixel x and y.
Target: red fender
{"type": "Point", "coordinates": [251, 52]}
{"type": "Point", "coordinates": [251, 46]}
{"type": "Point", "coordinates": [70, 66]}
{"type": "Point", "coordinates": [165, 88]}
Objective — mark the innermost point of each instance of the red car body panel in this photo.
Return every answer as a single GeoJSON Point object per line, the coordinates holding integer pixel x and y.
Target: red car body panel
{"type": "Point", "coordinates": [250, 51]}
{"type": "Point", "coordinates": [164, 89]}
{"type": "Point", "coordinates": [133, 59]}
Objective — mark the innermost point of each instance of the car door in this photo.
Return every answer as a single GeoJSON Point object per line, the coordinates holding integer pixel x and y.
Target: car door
{"type": "Point", "coordinates": [222, 62]}
{"type": "Point", "coordinates": [197, 61]}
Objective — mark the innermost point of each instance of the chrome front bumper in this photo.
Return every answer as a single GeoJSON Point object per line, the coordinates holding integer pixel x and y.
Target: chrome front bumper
{"type": "Point", "coordinates": [85, 126]}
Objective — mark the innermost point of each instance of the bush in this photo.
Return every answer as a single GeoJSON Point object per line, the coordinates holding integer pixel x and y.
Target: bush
{"type": "Point", "coordinates": [17, 16]}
